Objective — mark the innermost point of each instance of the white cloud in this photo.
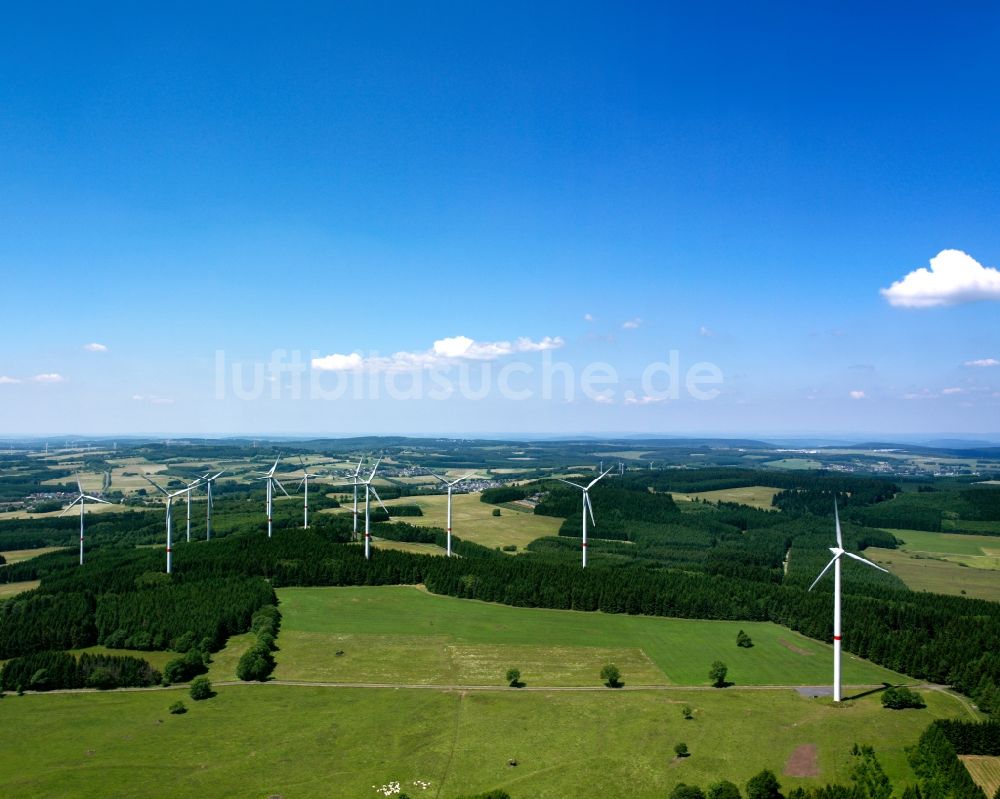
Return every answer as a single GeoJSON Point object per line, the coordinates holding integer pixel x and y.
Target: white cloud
{"type": "Point", "coordinates": [983, 362]}
{"type": "Point", "coordinates": [954, 278]}
{"type": "Point", "coordinates": [643, 400]}
{"type": "Point", "coordinates": [50, 377]}
{"type": "Point", "coordinates": [153, 399]}
{"type": "Point", "coordinates": [705, 332]}
{"type": "Point", "coordinates": [4, 380]}
{"type": "Point", "coordinates": [604, 399]}
{"type": "Point", "coordinates": [95, 347]}
{"type": "Point", "coordinates": [952, 391]}
{"type": "Point", "coordinates": [444, 352]}
{"type": "Point", "coordinates": [588, 317]}
{"type": "Point", "coordinates": [858, 395]}
{"type": "Point", "coordinates": [923, 394]}
{"type": "Point", "coordinates": [632, 324]}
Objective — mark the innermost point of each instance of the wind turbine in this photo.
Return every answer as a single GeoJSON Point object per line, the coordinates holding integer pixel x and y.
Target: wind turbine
{"type": "Point", "coordinates": [450, 486]}
{"type": "Point", "coordinates": [82, 500]}
{"type": "Point", "coordinates": [271, 482]}
{"type": "Point", "coordinates": [208, 490]}
{"type": "Point", "coordinates": [370, 489]}
{"type": "Point", "coordinates": [586, 506]}
{"type": "Point", "coordinates": [170, 501]}
{"type": "Point", "coordinates": [356, 479]}
{"type": "Point", "coordinates": [304, 483]}
{"type": "Point", "coordinates": [838, 552]}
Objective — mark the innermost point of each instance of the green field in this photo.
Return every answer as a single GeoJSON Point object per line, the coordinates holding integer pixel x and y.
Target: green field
{"type": "Point", "coordinates": [403, 634]}
{"type": "Point", "coordinates": [794, 463]}
{"type": "Point", "coordinates": [755, 496]}
{"type": "Point", "coordinates": [302, 742]}
{"type": "Point", "coordinates": [945, 563]}
{"type": "Point", "coordinates": [985, 770]}
{"type": "Point", "coordinates": [474, 520]}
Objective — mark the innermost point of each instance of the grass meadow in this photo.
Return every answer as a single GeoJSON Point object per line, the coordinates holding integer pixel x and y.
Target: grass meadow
{"type": "Point", "coordinates": [404, 634]}
{"type": "Point", "coordinates": [300, 742]}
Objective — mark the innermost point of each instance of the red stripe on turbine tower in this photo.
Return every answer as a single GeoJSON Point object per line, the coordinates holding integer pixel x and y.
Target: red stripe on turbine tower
{"type": "Point", "coordinates": [836, 638]}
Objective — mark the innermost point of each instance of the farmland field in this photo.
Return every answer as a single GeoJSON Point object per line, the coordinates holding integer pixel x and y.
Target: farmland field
{"type": "Point", "coordinates": [985, 771]}
{"type": "Point", "coordinates": [300, 742]}
{"type": "Point", "coordinates": [424, 638]}
{"type": "Point", "coordinates": [755, 496]}
{"type": "Point", "coordinates": [10, 589]}
{"type": "Point", "coordinates": [17, 555]}
{"type": "Point", "coordinates": [474, 520]}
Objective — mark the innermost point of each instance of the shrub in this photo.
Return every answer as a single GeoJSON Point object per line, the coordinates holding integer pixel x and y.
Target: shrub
{"type": "Point", "coordinates": [201, 688]}
{"type": "Point", "coordinates": [763, 785]}
{"type": "Point", "coordinates": [496, 512]}
{"type": "Point", "coordinates": [681, 750]}
{"type": "Point", "coordinates": [177, 708]}
{"type": "Point", "coordinates": [743, 640]}
{"type": "Point", "coordinates": [184, 668]}
{"type": "Point", "coordinates": [723, 789]}
{"type": "Point", "coordinates": [900, 698]}
{"type": "Point", "coordinates": [682, 791]}
{"type": "Point", "coordinates": [686, 712]}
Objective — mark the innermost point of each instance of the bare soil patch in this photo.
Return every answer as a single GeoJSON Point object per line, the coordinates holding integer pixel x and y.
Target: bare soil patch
{"type": "Point", "coordinates": [802, 762]}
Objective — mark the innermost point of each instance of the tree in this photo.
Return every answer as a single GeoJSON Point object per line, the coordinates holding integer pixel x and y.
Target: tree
{"type": "Point", "coordinates": [177, 708]}
{"type": "Point", "coordinates": [682, 791]}
{"type": "Point", "coordinates": [611, 675]}
{"type": "Point", "coordinates": [686, 712]}
{"type": "Point", "coordinates": [723, 789]}
{"type": "Point", "coordinates": [763, 785]}
{"type": "Point", "coordinates": [717, 674]}
{"type": "Point", "coordinates": [201, 688]}
{"type": "Point", "coordinates": [496, 511]}
{"type": "Point", "coordinates": [743, 640]}
{"type": "Point", "coordinates": [681, 750]}
{"type": "Point", "coordinates": [514, 678]}
{"type": "Point", "coordinates": [900, 698]}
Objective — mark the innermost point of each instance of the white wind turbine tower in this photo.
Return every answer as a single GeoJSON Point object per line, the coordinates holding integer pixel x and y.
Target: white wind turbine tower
{"type": "Point", "coordinates": [449, 486]}
{"type": "Point", "coordinates": [170, 501]}
{"type": "Point", "coordinates": [356, 479]}
{"type": "Point", "coordinates": [304, 483]}
{"type": "Point", "coordinates": [208, 490]}
{"type": "Point", "coordinates": [838, 552]}
{"type": "Point", "coordinates": [586, 506]}
{"type": "Point", "coordinates": [370, 489]}
{"type": "Point", "coordinates": [271, 482]}
{"type": "Point", "coordinates": [82, 499]}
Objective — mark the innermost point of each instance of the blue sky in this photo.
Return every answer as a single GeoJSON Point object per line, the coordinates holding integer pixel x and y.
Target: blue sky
{"type": "Point", "coordinates": [738, 183]}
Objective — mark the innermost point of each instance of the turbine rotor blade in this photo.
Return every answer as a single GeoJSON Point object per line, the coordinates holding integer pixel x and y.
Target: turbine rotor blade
{"type": "Point", "coordinates": [825, 570]}
{"type": "Point", "coordinates": [95, 499]}
{"type": "Point", "coordinates": [71, 504]}
{"type": "Point", "coordinates": [586, 497]}
{"type": "Point", "coordinates": [154, 485]}
{"type": "Point", "coordinates": [594, 481]}
{"type": "Point", "coordinates": [575, 485]}
{"type": "Point", "coordinates": [372, 489]}
{"type": "Point", "coordinates": [372, 477]}
{"type": "Point", "coordinates": [836, 516]}
{"type": "Point", "coordinates": [278, 483]}
{"type": "Point", "coordinates": [865, 560]}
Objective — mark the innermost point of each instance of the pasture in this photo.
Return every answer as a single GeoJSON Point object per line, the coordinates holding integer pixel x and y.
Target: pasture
{"type": "Point", "coordinates": [405, 634]}
{"type": "Point", "coordinates": [474, 520]}
{"type": "Point", "coordinates": [299, 742]}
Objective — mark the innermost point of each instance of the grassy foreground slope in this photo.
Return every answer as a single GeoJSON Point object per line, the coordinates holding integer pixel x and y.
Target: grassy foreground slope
{"type": "Point", "coordinates": [403, 634]}
{"type": "Point", "coordinates": [265, 740]}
